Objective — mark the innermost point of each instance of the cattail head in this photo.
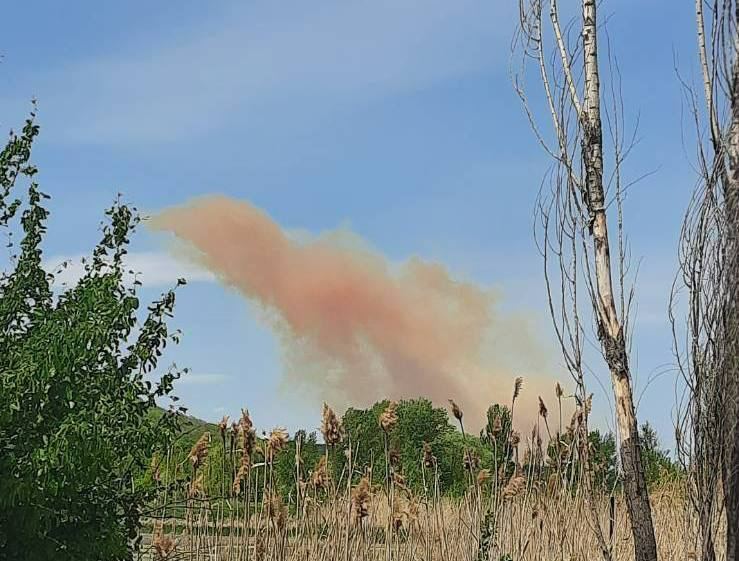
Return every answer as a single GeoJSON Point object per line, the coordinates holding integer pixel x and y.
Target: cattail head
{"type": "Point", "coordinates": [331, 426]}
{"type": "Point", "coordinates": [517, 385]}
{"type": "Point", "coordinates": [199, 451]}
{"type": "Point", "coordinates": [456, 411]}
{"type": "Point", "coordinates": [360, 501]}
{"type": "Point", "coordinates": [543, 411]}
{"type": "Point", "coordinates": [389, 417]}
{"type": "Point", "coordinates": [558, 391]}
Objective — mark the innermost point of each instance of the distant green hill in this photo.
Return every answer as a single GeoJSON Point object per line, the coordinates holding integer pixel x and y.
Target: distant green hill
{"type": "Point", "coordinates": [192, 428]}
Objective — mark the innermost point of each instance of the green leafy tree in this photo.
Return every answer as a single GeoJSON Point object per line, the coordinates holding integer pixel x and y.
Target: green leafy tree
{"type": "Point", "coordinates": [418, 422]}
{"type": "Point", "coordinates": [602, 455]}
{"type": "Point", "coordinates": [285, 469]}
{"type": "Point", "coordinates": [363, 430]}
{"type": "Point", "coordinates": [76, 387]}
{"type": "Point", "coordinates": [449, 450]}
{"type": "Point", "coordinates": [658, 467]}
{"type": "Point", "coordinates": [603, 459]}
{"type": "Point", "coordinates": [497, 433]}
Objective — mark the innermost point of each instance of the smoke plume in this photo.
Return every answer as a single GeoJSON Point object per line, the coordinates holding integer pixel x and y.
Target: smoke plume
{"type": "Point", "coordinates": [354, 328]}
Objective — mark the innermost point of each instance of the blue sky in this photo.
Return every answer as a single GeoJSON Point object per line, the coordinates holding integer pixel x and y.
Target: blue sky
{"type": "Point", "coordinates": [395, 119]}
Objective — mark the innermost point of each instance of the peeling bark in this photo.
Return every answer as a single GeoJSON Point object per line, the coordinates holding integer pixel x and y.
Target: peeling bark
{"type": "Point", "coordinates": [610, 328]}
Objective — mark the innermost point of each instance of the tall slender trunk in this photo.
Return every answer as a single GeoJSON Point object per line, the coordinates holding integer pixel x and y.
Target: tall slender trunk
{"type": "Point", "coordinates": [610, 330]}
{"type": "Point", "coordinates": [731, 322]}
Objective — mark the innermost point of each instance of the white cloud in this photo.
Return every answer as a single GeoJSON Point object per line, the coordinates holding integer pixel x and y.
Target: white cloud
{"type": "Point", "coordinates": [267, 61]}
{"type": "Point", "coordinates": [153, 269]}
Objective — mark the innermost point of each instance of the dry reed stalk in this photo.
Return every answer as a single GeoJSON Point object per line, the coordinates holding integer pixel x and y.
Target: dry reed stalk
{"type": "Point", "coordinates": [531, 514]}
{"type": "Point", "coordinates": [533, 522]}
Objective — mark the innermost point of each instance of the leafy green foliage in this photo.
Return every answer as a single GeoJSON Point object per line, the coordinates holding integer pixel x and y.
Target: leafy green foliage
{"type": "Point", "coordinates": [658, 466]}
{"type": "Point", "coordinates": [603, 459]}
{"type": "Point", "coordinates": [76, 388]}
{"type": "Point", "coordinates": [285, 468]}
{"type": "Point", "coordinates": [418, 422]}
{"type": "Point", "coordinates": [363, 431]}
{"type": "Point", "coordinates": [496, 435]}
{"type": "Point", "coordinates": [449, 450]}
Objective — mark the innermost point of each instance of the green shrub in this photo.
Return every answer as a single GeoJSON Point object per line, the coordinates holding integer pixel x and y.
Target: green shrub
{"type": "Point", "coordinates": [76, 388]}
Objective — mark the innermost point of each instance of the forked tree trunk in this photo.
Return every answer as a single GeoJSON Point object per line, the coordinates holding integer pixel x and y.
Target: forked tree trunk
{"type": "Point", "coordinates": [610, 330]}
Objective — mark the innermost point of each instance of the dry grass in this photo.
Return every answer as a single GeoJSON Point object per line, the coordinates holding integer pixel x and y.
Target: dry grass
{"type": "Point", "coordinates": [534, 525]}
{"type": "Point", "coordinates": [534, 513]}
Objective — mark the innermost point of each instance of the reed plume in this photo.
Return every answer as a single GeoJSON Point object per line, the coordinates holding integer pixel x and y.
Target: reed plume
{"type": "Point", "coordinates": [482, 476]}
{"type": "Point", "coordinates": [319, 477]}
{"type": "Point", "coordinates": [222, 426]}
{"type": "Point", "coordinates": [514, 439]}
{"type": "Point", "coordinates": [331, 426]}
{"type": "Point", "coordinates": [276, 442]}
{"type": "Point", "coordinates": [164, 546]}
{"type": "Point", "coordinates": [429, 460]}
{"type": "Point", "coordinates": [360, 501]}
{"type": "Point", "coordinates": [456, 411]}
{"type": "Point", "coordinates": [517, 385]}
{"type": "Point", "coordinates": [543, 411]}
{"type": "Point", "coordinates": [276, 511]}
{"type": "Point", "coordinates": [471, 460]}
{"type": "Point", "coordinates": [516, 484]}
{"type": "Point", "coordinates": [199, 451]}
{"type": "Point", "coordinates": [197, 488]}
{"type": "Point", "coordinates": [389, 417]}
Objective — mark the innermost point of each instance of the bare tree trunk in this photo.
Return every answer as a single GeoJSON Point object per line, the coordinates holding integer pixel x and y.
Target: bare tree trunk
{"type": "Point", "coordinates": [710, 272]}
{"type": "Point", "coordinates": [609, 326]}
{"type": "Point", "coordinates": [731, 329]}
{"type": "Point", "coordinates": [582, 219]}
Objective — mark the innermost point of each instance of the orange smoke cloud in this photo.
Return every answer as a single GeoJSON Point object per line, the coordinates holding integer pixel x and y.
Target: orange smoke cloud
{"type": "Point", "coordinates": [355, 329]}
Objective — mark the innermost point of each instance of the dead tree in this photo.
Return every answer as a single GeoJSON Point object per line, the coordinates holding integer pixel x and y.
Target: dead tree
{"type": "Point", "coordinates": [707, 348]}
{"type": "Point", "coordinates": [574, 220]}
